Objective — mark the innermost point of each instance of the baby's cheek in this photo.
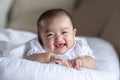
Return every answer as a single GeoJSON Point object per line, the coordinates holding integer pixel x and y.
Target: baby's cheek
{"type": "Point", "coordinates": [69, 38]}
{"type": "Point", "coordinates": [69, 35]}
{"type": "Point", "coordinates": [50, 45]}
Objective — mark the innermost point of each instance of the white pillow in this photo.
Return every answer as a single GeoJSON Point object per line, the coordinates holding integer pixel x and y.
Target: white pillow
{"type": "Point", "coordinates": [10, 38]}
{"type": "Point", "coordinates": [21, 69]}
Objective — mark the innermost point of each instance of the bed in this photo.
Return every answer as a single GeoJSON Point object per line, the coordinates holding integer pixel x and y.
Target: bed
{"type": "Point", "coordinates": [13, 67]}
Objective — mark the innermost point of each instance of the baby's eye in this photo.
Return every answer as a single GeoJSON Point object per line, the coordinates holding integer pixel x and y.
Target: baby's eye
{"type": "Point", "coordinates": [50, 35]}
{"type": "Point", "coordinates": [64, 32]}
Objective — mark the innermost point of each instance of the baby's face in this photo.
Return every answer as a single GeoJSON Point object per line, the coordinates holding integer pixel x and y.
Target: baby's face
{"type": "Point", "coordinates": [58, 34]}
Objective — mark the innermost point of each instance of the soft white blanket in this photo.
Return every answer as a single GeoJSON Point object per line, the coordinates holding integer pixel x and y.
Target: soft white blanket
{"type": "Point", "coordinates": [12, 68]}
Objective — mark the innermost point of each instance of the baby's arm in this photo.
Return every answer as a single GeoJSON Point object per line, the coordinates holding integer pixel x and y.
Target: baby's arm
{"type": "Point", "coordinates": [47, 58]}
{"type": "Point", "coordinates": [86, 62]}
{"type": "Point", "coordinates": [41, 57]}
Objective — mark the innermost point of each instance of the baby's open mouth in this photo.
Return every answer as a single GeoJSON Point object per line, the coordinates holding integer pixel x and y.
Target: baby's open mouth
{"type": "Point", "coordinates": [61, 45]}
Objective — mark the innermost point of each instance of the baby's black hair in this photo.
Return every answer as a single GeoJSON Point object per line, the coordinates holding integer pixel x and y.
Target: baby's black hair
{"type": "Point", "coordinates": [50, 14]}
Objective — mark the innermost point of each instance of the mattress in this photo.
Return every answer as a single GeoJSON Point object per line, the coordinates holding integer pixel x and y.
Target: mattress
{"type": "Point", "coordinates": [14, 67]}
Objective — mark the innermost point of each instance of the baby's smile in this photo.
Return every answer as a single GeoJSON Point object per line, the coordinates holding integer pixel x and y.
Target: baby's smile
{"type": "Point", "coordinates": [60, 45]}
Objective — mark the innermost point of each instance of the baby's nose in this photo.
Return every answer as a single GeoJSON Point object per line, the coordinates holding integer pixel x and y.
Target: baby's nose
{"type": "Point", "coordinates": [58, 38]}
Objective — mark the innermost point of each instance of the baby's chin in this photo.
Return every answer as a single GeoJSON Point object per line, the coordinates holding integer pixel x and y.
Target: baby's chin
{"type": "Point", "coordinates": [60, 52]}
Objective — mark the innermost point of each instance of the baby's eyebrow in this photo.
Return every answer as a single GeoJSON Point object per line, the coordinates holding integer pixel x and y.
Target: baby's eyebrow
{"type": "Point", "coordinates": [47, 31]}
{"type": "Point", "coordinates": [65, 28]}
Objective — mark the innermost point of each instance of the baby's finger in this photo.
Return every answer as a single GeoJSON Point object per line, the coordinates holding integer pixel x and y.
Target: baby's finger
{"type": "Point", "coordinates": [77, 64]}
{"type": "Point", "coordinates": [72, 63]}
{"type": "Point", "coordinates": [57, 61]}
{"type": "Point", "coordinates": [53, 57]}
{"type": "Point", "coordinates": [65, 62]}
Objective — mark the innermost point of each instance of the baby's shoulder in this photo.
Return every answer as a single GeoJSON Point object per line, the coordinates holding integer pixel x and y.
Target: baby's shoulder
{"type": "Point", "coordinates": [80, 40]}
{"type": "Point", "coordinates": [34, 42]}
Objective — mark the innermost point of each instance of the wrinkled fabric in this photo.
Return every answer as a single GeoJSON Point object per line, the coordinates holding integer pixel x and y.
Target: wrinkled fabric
{"type": "Point", "coordinates": [15, 67]}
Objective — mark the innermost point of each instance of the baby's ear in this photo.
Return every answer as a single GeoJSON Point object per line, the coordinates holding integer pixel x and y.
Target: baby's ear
{"type": "Point", "coordinates": [74, 31]}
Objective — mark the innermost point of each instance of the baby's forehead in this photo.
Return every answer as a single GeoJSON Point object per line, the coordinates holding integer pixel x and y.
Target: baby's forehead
{"type": "Point", "coordinates": [55, 21]}
{"type": "Point", "coordinates": [52, 29]}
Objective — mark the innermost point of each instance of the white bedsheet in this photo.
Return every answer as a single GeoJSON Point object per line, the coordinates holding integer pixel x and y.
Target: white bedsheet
{"type": "Point", "coordinates": [12, 68]}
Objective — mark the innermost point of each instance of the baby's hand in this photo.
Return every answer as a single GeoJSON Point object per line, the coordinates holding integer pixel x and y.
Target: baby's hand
{"type": "Point", "coordinates": [76, 63]}
{"type": "Point", "coordinates": [86, 62]}
{"type": "Point", "coordinates": [47, 58]}
{"type": "Point", "coordinates": [59, 60]}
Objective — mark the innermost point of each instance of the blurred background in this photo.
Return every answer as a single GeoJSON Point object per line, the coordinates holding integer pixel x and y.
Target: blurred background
{"type": "Point", "coordinates": [94, 18]}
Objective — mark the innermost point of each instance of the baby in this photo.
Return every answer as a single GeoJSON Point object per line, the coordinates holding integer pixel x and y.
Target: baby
{"type": "Point", "coordinates": [56, 42]}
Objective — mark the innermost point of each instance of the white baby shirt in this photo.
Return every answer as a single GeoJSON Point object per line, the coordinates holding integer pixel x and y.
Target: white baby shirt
{"type": "Point", "coordinates": [80, 48]}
